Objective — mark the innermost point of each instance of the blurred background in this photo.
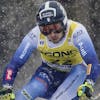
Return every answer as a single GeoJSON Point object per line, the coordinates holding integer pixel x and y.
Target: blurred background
{"type": "Point", "coordinates": [17, 18]}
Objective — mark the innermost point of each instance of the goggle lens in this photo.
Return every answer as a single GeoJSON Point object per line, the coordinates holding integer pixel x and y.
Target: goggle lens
{"type": "Point", "coordinates": [47, 29]}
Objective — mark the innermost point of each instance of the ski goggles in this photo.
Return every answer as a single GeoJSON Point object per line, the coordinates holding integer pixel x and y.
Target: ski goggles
{"type": "Point", "coordinates": [48, 29]}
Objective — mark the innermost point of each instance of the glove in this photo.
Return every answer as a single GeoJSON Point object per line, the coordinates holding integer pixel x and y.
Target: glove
{"type": "Point", "coordinates": [85, 90]}
{"type": "Point", "coordinates": [6, 94]}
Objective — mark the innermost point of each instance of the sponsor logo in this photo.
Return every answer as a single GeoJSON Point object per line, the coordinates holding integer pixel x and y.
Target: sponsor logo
{"type": "Point", "coordinates": [32, 35]}
{"type": "Point", "coordinates": [47, 14]}
{"type": "Point", "coordinates": [44, 76]}
{"type": "Point", "coordinates": [26, 95]}
{"type": "Point", "coordinates": [70, 42]}
{"type": "Point", "coordinates": [60, 67]}
{"type": "Point", "coordinates": [83, 51]}
{"type": "Point", "coordinates": [9, 74]}
{"type": "Point", "coordinates": [60, 54]}
{"type": "Point", "coordinates": [41, 42]}
{"type": "Point", "coordinates": [80, 32]}
{"type": "Point", "coordinates": [24, 51]}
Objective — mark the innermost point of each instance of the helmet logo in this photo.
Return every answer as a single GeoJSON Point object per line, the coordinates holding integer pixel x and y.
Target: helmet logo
{"type": "Point", "coordinates": [48, 19]}
{"type": "Point", "coordinates": [47, 14]}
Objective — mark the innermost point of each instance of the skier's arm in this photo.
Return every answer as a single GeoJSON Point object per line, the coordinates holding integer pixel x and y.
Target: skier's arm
{"type": "Point", "coordinates": [83, 42]}
{"type": "Point", "coordinates": [27, 46]}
